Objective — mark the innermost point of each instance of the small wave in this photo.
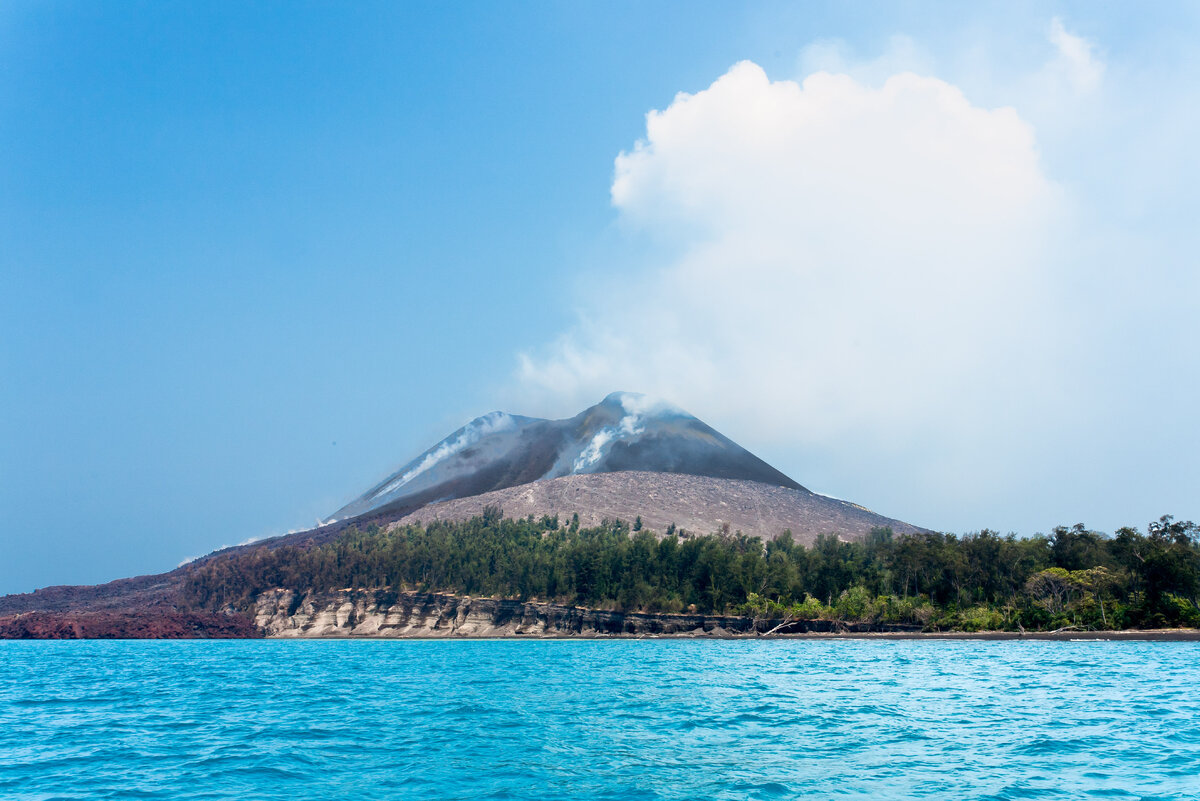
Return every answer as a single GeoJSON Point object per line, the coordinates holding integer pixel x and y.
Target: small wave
{"type": "Point", "coordinates": [639, 720]}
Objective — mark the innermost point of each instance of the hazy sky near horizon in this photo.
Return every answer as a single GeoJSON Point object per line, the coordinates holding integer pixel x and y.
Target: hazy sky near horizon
{"type": "Point", "coordinates": [936, 259]}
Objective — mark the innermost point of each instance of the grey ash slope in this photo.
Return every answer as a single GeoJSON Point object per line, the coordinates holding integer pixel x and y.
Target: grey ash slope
{"type": "Point", "coordinates": [623, 432]}
{"type": "Point", "coordinates": [625, 457]}
{"type": "Point", "coordinates": [696, 504]}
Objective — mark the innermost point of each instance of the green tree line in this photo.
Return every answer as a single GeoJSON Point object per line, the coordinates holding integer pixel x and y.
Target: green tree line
{"type": "Point", "coordinates": [981, 581]}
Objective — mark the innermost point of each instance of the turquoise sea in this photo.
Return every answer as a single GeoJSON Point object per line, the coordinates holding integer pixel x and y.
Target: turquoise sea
{"type": "Point", "coordinates": [628, 719]}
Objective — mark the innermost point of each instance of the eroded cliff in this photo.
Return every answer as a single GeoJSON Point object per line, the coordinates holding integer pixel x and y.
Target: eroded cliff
{"type": "Point", "coordinates": [386, 613]}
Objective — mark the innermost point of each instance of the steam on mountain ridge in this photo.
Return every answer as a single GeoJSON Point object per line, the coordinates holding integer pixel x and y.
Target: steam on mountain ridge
{"type": "Point", "coordinates": [624, 432]}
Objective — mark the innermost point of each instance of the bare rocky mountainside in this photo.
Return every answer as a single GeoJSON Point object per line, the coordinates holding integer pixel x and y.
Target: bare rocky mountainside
{"type": "Point", "coordinates": [624, 458]}
{"type": "Point", "coordinates": [696, 504]}
{"type": "Point", "coordinates": [623, 432]}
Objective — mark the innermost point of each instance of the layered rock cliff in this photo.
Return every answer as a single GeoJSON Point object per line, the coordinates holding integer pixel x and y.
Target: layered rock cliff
{"type": "Point", "coordinates": [385, 613]}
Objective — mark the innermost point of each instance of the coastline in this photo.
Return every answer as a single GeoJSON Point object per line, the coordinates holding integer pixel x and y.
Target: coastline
{"type": "Point", "coordinates": [1127, 635]}
{"type": "Point", "coordinates": [138, 629]}
{"type": "Point", "coordinates": [383, 614]}
{"type": "Point", "coordinates": [1133, 635]}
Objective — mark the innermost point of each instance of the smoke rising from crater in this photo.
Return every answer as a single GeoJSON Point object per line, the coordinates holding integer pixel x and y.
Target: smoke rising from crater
{"type": "Point", "coordinates": [877, 284]}
{"type": "Point", "coordinates": [853, 262]}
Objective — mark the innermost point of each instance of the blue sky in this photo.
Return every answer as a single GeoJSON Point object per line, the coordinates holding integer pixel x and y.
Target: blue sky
{"type": "Point", "coordinates": [253, 257]}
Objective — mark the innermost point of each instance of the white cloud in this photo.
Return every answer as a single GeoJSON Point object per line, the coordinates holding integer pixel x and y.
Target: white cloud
{"type": "Point", "coordinates": [872, 279]}
{"type": "Point", "coordinates": [1077, 58]}
{"type": "Point", "coordinates": [854, 262]}
{"type": "Point", "coordinates": [902, 54]}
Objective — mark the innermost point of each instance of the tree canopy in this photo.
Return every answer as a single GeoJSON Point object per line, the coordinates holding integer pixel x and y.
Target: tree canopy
{"type": "Point", "coordinates": [1074, 577]}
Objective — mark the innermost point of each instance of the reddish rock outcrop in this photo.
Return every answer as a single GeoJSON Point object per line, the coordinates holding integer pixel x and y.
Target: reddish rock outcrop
{"type": "Point", "coordinates": [148, 625]}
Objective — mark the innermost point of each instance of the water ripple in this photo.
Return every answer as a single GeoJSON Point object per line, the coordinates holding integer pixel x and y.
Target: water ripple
{"type": "Point", "coordinates": [655, 720]}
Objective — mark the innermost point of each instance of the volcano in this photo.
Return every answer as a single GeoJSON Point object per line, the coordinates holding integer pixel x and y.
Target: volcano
{"type": "Point", "coordinates": [627, 457]}
{"type": "Point", "coordinates": [624, 432]}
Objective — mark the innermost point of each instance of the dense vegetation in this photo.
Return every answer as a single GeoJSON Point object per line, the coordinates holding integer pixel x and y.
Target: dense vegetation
{"type": "Point", "coordinates": [984, 581]}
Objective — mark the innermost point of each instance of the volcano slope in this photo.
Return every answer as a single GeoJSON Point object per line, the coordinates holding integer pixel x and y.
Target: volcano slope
{"type": "Point", "coordinates": [624, 432]}
{"type": "Point", "coordinates": [627, 457]}
{"type": "Point", "coordinates": [694, 504]}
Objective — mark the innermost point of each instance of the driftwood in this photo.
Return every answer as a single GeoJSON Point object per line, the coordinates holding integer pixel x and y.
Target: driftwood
{"type": "Point", "coordinates": [789, 621]}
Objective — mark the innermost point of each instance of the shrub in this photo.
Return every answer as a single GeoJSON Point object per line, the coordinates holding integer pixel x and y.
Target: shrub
{"type": "Point", "coordinates": [809, 609]}
{"type": "Point", "coordinates": [854, 604]}
{"type": "Point", "coordinates": [981, 618]}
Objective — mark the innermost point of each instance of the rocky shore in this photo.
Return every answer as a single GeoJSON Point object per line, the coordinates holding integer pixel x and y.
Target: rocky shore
{"type": "Point", "coordinates": [384, 613]}
{"type": "Point", "coordinates": [148, 625]}
{"type": "Point", "coordinates": [387, 614]}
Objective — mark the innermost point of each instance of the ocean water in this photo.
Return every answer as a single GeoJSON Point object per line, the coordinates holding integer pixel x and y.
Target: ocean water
{"type": "Point", "coordinates": [628, 719]}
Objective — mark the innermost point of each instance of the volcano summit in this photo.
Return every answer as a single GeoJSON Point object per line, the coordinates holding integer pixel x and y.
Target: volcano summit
{"type": "Point", "coordinates": [624, 432]}
{"type": "Point", "coordinates": [628, 456]}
